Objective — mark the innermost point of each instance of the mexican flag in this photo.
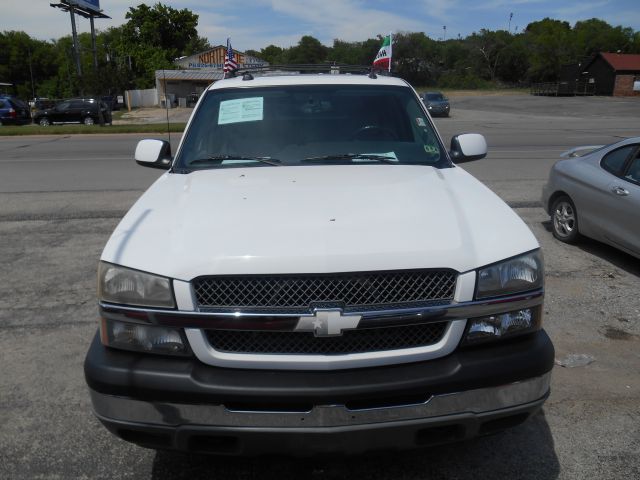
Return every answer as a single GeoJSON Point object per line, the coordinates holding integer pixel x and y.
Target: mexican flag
{"type": "Point", "coordinates": [383, 58]}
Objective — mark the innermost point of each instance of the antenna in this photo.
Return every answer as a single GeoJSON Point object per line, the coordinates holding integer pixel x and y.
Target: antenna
{"type": "Point", "coordinates": [166, 103]}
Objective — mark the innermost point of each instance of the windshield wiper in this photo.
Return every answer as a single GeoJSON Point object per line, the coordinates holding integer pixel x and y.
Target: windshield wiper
{"type": "Point", "coordinates": [354, 156]}
{"type": "Point", "coordinates": [268, 160]}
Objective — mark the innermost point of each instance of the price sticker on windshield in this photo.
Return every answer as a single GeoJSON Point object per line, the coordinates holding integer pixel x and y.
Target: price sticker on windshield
{"type": "Point", "coordinates": [241, 110]}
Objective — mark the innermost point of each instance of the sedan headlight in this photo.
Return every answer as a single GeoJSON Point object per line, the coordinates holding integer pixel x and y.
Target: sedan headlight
{"type": "Point", "coordinates": [122, 285]}
{"type": "Point", "coordinates": [518, 274]}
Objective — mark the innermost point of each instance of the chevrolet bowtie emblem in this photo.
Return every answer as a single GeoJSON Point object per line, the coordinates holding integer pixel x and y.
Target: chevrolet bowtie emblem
{"type": "Point", "coordinates": [329, 322]}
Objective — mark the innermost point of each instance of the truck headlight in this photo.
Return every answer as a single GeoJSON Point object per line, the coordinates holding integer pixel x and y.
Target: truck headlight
{"type": "Point", "coordinates": [518, 274]}
{"type": "Point", "coordinates": [508, 324]}
{"type": "Point", "coordinates": [143, 338]}
{"type": "Point", "coordinates": [118, 284]}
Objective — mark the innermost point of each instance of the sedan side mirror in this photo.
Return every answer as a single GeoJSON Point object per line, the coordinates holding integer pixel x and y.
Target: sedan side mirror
{"type": "Point", "coordinates": [154, 154]}
{"type": "Point", "coordinates": [467, 147]}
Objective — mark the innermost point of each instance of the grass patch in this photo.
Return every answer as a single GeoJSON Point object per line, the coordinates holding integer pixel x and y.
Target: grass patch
{"type": "Point", "coordinates": [14, 130]}
{"type": "Point", "coordinates": [117, 115]}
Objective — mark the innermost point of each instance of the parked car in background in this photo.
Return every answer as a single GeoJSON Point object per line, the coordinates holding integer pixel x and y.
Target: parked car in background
{"type": "Point", "coordinates": [436, 103]}
{"type": "Point", "coordinates": [43, 103]}
{"type": "Point", "coordinates": [13, 111]}
{"type": "Point", "coordinates": [597, 195]}
{"type": "Point", "coordinates": [74, 110]}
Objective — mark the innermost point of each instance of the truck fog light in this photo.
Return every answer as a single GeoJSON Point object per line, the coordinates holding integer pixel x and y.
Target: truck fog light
{"type": "Point", "coordinates": [508, 324]}
{"type": "Point", "coordinates": [143, 338]}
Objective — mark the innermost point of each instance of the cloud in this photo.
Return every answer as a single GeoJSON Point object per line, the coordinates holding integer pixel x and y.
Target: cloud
{"type": "Point", "coordinates": [345, 19]}
{"type": "Point", "coordinates": [253, 24]}
{"type": "Point", "coordinates": [441, 10]}
{"type": "Point", "coordinates": [493, 4]}
{"type": "Point", "coordinates": [578, 9]}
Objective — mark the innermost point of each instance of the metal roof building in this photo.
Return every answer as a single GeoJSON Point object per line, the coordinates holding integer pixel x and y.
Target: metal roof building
{"type": "Point", "coordinates": [195, 72]}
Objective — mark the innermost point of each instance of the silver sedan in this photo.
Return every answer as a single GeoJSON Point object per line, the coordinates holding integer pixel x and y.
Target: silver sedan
{"type": "Point", "coordinates": [597, 195]}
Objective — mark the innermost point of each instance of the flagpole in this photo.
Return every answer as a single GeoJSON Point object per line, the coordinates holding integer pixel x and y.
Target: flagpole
{"type": "Point", "coordinates": [390, 49]}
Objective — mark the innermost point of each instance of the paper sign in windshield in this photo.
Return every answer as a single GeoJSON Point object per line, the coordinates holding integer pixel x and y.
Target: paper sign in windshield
{"type": "Point", "coordinates": [390, 156]}
{"type": "Point", "coordinates": [240, 110]}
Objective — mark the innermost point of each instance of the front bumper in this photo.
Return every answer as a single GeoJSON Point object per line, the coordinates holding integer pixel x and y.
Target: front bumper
{"type": "Point", "coordinates": [181, 404]}
{"type": "Point", "coordinates": [439, 111]}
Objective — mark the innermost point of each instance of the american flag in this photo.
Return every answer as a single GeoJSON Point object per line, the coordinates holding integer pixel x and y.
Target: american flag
{"type": "Point", "coordinates": [230, 64]}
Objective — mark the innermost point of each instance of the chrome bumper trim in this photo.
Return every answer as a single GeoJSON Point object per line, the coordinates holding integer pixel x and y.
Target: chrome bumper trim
{"type": "Point", "coordinates": [195, 322]}
{"type": "Point", "coordinates": [477, 401]}
{"type": "Point", "coordinates": [288, 321]}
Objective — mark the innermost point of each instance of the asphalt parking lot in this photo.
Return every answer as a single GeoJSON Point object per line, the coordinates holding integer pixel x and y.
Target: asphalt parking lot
{"type": "Point", "coordinates": [60, 198]}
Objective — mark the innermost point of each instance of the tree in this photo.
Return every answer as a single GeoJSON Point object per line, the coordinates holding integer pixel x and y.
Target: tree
{"type": "Point", "coordinates": [489, 47]}
{"type": "Point", "coordinates": [308, 50]}
{"type": "Point", "coordinates": [272, 54]}
{"type": "Point", "coordinates": [514, 61]}
{"type": "Point", "coordinates": [415, 58]}
{"type": "Point", "coordinates": [354, 53]}
{"type": "Point", "coordinates": [154, 37]}
{"type": "Point", "coordinates": [594, 35]}
{"type": "Point", "coordinates": [23, 58]}
{"type": "Point", "coordinates": [549, 43]}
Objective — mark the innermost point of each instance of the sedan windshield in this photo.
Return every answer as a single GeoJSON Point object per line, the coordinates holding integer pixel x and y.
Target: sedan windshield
{"type": "Point", "coordinates": [310, 125]}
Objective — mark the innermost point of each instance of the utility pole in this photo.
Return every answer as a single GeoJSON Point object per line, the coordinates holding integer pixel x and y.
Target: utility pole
{"type": "Point", "coordinates": [33, 91]}
{"type": "Point", "coordinates": [93, 45]}
{"type": "Point", "coordinates": [510, 17]}
{"type": "Point", "coordinates": [444, 27]}
{"type": "Point", "coordinates": [74, 32]}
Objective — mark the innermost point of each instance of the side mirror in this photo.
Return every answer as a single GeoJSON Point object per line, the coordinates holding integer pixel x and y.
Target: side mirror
{"type": "Point", "coordinates": [467, 147]}
{"type": "Point", "coordinates": [154, 154]}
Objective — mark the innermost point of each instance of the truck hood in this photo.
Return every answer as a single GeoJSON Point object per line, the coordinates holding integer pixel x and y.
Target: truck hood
{"type": "Point", "coordinates": [316, 219]}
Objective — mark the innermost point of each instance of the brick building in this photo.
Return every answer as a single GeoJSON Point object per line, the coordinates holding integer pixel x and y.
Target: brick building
{"type": "Point", "coordinates": [615, 74]}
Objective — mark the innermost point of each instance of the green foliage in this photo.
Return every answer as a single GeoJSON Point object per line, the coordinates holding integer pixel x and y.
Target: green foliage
{"type": "Point", "coordinates": [271, 54]}
{"type": "Point", "coordinates": [308, 50]}
{"type": "Point", "coordinates": [594, 35]}
{"type": "Point", "coordinates": [416, 58]}
{"type": "Point", "coordinates": [465, 81]}
{"type": "Point", "coordinates": [153, 36]}
{"type": "Point", "coordinates": [354, 53]}
{"type": "Point", "coordinates": [550, 44]}
{"type": "Point", "coordinates": [127, 55]}
{"type": "Point", "coordinates": [15, 130]}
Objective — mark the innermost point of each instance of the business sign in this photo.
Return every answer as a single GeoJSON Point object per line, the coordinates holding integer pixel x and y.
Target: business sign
{"type": "Point", "coordinates": [90, 5]}
{"type": "Point", "coordinates": [214, 60]}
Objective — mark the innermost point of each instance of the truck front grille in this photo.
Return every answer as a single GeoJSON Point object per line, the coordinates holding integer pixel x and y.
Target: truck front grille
{"type": "Point", "coordinates": [306, 343]}
{"type": "Point", "coordinates": [303, 292]}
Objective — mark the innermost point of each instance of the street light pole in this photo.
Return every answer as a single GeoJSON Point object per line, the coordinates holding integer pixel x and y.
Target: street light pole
{"type": "Point", "coordinates": [444, 27]}
{"type": "Point", "coordinates": [510, 17]}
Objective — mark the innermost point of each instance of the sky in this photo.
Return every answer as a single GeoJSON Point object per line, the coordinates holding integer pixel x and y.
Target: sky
{"type": "Point", "coordinates": [254, 24]}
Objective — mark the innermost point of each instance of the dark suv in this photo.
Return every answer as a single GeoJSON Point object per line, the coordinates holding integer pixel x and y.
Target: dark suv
{"type": "Point", "coordinates": [436, 103]}
{"type": "Point", "coordinates": [74, 110]}
{"type": "Point", "coordinates": [13, 111]}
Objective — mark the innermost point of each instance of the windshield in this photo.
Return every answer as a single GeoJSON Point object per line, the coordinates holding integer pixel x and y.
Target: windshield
{"type": "Point", "coordinates": [434, 97]}
{"type": "Point", "coordinates": [310, 124]}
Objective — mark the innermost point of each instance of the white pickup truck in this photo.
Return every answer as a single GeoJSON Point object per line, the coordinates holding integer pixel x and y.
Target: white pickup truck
{"type": "Point", "coordinates": [314, 274]}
